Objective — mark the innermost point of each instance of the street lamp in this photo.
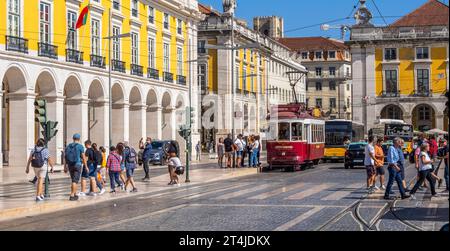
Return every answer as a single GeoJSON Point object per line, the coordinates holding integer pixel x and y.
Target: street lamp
{"type": "Point", "coordinates": [109, 38]}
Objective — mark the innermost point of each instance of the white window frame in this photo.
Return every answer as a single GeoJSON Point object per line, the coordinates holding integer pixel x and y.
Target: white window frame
{"type": "Point", "coordinates": [384, 54]}
{"type": "Point", "coordinates": [49, 22]}
{"type": "Point", "coordinates": [385, 79]}
{"type": "Point", "coordinates": [72, 30]}
{"type": "Point", "coordinates": [203, 77]}
{"type": "Point", "coordinates": [166, 56]}
{"type": "Point", "coordinates": [316, 57]}
{"type": "Point", "coordinates": [151, 13]}
{"type": "Point", "coordinates": [119, 4]}
{"type": "Point", "coordinates": [166, 19]}
{"type": "Point", "coordinates": [422, 47]}
{"type": "Point", "coordinates": [134, 4]}
{"type": "Point", "coordinates": [179, 26]}
{"type": "Point", "coordinates": [329, 54]}
{"type": "Point", "coordinates": [180, 60]}
{"type": "Point", "coordinates": [304, 55]}
{"type": "Point", "coordinates": [244, 77]}
{"type": "Point", "coordinates": [151, 53]}
{"type": "Point", "coordinates": [18, 15]}
{"type": "Point", "coordinates": [135, 48]}
{"type": "Point", "coordinates": [96, 51]}
{"type": "Point", "coordinates": [116, 43]}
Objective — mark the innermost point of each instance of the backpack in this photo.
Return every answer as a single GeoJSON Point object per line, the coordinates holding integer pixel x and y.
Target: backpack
{"type": "Point", "coordinates": [71, 155]}
{"type": "Point", "coordinates": [37, 160]}
{"type": "Point", "coordinates": [98, 157]}
{"type": "Point", "coordinates": [131, 157]}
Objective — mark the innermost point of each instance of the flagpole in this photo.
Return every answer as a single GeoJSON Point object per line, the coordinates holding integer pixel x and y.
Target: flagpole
{"type": "Point", "coordinates": [109, 78]}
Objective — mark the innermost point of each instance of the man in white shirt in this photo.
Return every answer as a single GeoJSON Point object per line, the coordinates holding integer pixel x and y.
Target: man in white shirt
{"type": "Point", "coordinates": [369, 163]}
{"type": "Point", "coordinates": [240, 149]}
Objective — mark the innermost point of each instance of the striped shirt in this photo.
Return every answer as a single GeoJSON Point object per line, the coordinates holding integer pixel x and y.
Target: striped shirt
{"type": "Point", "coordinates": [113, 163]}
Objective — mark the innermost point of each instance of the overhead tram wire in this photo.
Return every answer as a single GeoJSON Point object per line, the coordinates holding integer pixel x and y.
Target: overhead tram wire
{"type": "Point", "coordinates": [379, 12]}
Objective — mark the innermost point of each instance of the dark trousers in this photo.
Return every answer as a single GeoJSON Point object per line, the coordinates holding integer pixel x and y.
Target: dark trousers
{"type": "Point", "coordinates": [394, 175]}
{"type": "Point", "coordinates": [446, 174]}
{"type": "Point", "coordinates": [146, 168]}
{"type": "Point", "coordinates": [113, 177]}
{"type": "Point", "coordinates": [422, 176]}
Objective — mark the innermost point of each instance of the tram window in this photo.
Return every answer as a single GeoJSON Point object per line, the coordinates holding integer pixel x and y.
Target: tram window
{"type": "Point", "coordinates": [297, 132]}
{"type": "Point", "coordinates": [284, 131]}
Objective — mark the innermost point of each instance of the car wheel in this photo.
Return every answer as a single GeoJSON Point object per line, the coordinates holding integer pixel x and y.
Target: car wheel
{"type": "Point", "coordinates": [346, 166]}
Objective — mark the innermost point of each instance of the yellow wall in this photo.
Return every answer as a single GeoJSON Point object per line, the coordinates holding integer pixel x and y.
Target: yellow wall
{"type": "Point", "coordinates": [406, 72]}
{"type": "Point", "coordinates": [30, 31]}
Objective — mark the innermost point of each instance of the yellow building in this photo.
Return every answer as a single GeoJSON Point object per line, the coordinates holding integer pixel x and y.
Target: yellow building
{"type": "Point", "coordinates": [256, 69]}
{"type": "Point", "coordinates": [401, 71]}
{"type": "Point", "coordinates": [43, 55]}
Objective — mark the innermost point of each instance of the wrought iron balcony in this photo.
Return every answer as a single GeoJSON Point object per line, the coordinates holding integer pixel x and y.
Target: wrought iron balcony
{"type": "Point", "coordinates": [181, 80]}
{"type": "Point", "coordinates": [98, 61]}
{"type": "Point", "coordinates": [137, 70]}
{"type": "Point", "coordinates": [74, 56]}
{"type": "Point", "coordinates": [118, 65]}
{"type": "Point", "coordinates": [153, 73]}
{"type": "Point", "coordinates": [47, 50]}
{"type": "Point", "coordinates": [390, 94]}
{"type": "Point", "coordinates": [17, 44]}
{"type": "Point", "coordinates": [168, 77]}
{"type": "Point", "coordinates": [422, 92]}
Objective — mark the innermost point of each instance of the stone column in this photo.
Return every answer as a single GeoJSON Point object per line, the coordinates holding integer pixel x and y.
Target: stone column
{"type": "Point", "coordinates": [99, 133]}
{"type": "Point", "coordinates": [137, 124]}
{"type": "Point", "coordinates": [21, 128]}
{"type": "Point", "coordinates": [55, 112]}
{"type": "Point", "coordinates": [154, 122]}
{"type": "Point", "coordinates": [1, 129]}
{"type": "Point", "coordinates": [173, 123]}
{"type": "Point", "coordinates": [440, 121]}
{"type": "Point", "coordinates": [120, 120]}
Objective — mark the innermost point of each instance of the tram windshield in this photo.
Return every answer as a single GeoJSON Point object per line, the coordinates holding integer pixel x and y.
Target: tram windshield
{"type": "Point", "coordinates": [290, 131]}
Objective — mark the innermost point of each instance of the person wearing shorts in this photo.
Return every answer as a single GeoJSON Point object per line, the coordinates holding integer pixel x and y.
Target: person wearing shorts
{"type": "Point", "coordinates": [74, 168]}
{"type": "Point", "coordinates": [228, 145]}
{"type": "Point", "coordinates": [369, 163]}
{"type": "Point", "coordinates": [40, 151]}
{"type": "Point", "coordinates": [379, 162]}
{"type": "Point", "coordinates": [89, 173]}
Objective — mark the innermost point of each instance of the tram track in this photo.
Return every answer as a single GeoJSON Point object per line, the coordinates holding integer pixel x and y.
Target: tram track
{"type": "Point", "coordinates": [373, 225]}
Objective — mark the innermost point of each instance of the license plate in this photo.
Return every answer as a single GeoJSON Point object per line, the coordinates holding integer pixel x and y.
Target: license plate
{"type": "Point", "coordinates": [358, 161]}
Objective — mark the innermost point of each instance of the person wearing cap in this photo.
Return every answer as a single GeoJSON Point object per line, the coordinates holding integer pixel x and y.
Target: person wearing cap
{"type": "Point", "coordinates": [75, 160]}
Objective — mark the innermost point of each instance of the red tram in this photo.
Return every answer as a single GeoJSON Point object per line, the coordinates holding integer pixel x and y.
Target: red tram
{"type": "Point", "coordinates": [297, 139]}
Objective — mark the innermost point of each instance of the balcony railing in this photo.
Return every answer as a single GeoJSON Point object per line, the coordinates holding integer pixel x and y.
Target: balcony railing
{"type": "Point", "coordinates": [168, 77]}
{"type": "Point", "coordinates": [74, 56]}
{"type": "Point", "coordinates": [181, 80]}
{"type": "Point", "coordinates": [118, 65]}
{"type": "Point", "coordinates": [47, 50]}
{"type": "Point", "coordinates": [137, 70]}
{"type": "Point", "coordinates": [390, 94]}
{"type": "Point", "coordinates": [423, 92]}
{"type": "Point", "coordinates": [98, 61]}
{"type": "Point", "coordinates": [17, 44]}
{"type": "Point", "coordinates": [153, 73]}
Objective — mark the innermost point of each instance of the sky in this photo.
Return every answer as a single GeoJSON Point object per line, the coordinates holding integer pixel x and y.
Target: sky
{"type": "Point", "coordinates": [298, 14]}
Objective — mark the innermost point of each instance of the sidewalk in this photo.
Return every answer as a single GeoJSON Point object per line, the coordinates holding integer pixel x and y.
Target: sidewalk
{"type": "Point", "coordinates": [24, 205]}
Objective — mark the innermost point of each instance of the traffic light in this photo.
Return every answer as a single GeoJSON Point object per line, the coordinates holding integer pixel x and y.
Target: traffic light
{"type": "Point", "coordinates": [41, 112]}
{"type": "Point", "coordinates": [182, 131]}
{"type": "Point", "coordinates": [192, 115]}
{"type": "Point", "coordinates": [51, 130]}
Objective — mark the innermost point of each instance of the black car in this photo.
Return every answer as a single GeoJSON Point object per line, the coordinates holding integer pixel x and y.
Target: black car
{"type": "Point", "coordinates": [158, 154]}
{"type": "Point", "coordinates": [354, 156]}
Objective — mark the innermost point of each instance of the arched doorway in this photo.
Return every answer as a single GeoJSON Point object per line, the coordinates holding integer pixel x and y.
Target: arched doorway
{"type": "Point", "coordinates": [424, 118]}
{"type": "Point", "coordinates": [137, 113]}
{"type": "Point", "coordinates": [74, 117]}
{"type": "Point", "coordinates": [153, 116]}
{"type": "Point", "coordinates": [167, 121]}
{"type": "Point", "coordinates": [98, 110]}
{"type": "Point", "coordinates": [392, 112]}
{"type": "Point", "coordinates": [118, 114]}
{"type": "Point", "coordinates": [17, 113]}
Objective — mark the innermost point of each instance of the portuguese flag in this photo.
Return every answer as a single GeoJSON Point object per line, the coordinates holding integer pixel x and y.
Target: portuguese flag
{"type": "Point", "coordinates": [82, 19]}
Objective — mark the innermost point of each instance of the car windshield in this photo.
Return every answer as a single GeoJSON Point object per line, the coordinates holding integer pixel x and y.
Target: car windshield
{"type": "Point", "coordinates": [157, 144]}
{"type": "Point", "coordinates": [356, 147]}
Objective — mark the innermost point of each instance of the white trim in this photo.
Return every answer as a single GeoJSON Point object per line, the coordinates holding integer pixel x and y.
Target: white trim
{"type": "Point", "coordinates": [390, 68]}
{"type": "Point", "coordinates": [422, 66]}
{"type": "Point", "coordinates": [49, 2]}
